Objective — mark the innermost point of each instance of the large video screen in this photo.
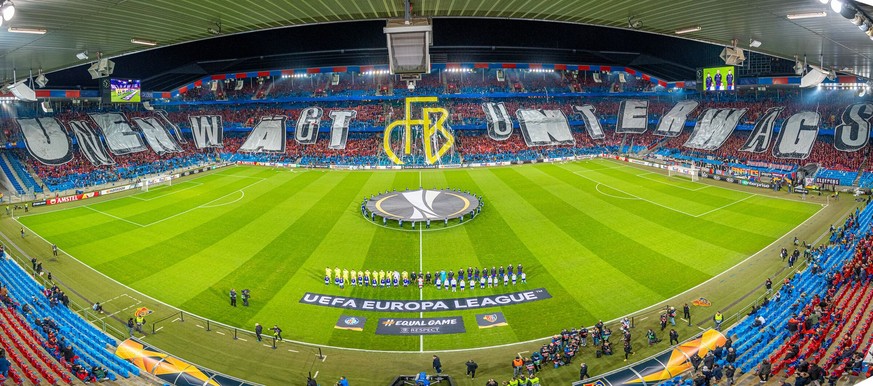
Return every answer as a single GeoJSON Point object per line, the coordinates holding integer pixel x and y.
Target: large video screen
{"type": "Point", "coordinates": [718, 78]}
{"type": "Point", "coordinates": [124, 91]}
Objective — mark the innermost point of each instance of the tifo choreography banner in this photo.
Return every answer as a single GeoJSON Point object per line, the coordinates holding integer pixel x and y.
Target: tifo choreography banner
{"type": "Point", "coordinates": [48, 141]}
{"type": "Point", "coordinates": [420, 326]}
{"type": "Point", "coordinates": [425, 305]}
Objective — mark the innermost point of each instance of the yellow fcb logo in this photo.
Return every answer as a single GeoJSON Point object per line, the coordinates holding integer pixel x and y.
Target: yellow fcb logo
{"type": "Point", "coordinates": [429, 127]}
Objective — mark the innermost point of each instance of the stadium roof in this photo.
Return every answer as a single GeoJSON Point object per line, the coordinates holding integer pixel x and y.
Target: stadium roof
{"type": "Point", "coordinates": [107, 26]}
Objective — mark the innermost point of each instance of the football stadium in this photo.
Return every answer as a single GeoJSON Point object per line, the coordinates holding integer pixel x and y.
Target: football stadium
{"type": "Point", "coordinates": [426, 192]}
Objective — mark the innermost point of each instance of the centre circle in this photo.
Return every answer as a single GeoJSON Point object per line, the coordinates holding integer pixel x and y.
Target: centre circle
{"type": "Point", "coordinates": [423, 205]}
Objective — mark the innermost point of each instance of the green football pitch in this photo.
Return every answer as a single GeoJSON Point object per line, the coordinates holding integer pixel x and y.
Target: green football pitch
{"type": "Point", "coordinates": [603, 238]}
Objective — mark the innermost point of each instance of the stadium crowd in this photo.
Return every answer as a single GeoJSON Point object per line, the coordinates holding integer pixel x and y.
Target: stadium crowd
{"type": "Point", "coordinates": [364, 146]}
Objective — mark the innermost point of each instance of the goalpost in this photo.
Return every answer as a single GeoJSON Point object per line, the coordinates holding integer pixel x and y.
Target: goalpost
{"type": "Point", "coordinates": [148, 183]}
{"type": "Point", "coordinates": [679, 170]}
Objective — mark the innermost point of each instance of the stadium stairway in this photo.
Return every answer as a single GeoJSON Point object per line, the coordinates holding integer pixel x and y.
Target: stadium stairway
{"type": "Point", "coordinates": [7, 170]}
{"type": "Point", "coordinates": [23, 174]}
{"type": "Point", "coordinates": [860, 172]}
{"type": "Point", "coordinates": [89, 343]}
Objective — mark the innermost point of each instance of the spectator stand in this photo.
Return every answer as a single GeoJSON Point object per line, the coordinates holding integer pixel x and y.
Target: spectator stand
{"type": "Point", "coordinates": [89, 343]}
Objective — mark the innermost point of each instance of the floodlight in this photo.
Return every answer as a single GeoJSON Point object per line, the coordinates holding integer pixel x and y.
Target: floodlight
{"type": "Point", "coordinates": [837, 6]}
{"type": "Point", "coordinates": [82, 55]}
{"type": "Point", "coordinates": [8, 10]}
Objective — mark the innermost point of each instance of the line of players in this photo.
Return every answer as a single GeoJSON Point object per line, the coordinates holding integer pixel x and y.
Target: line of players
{"type": "Point", "coordinates": [442, 279]}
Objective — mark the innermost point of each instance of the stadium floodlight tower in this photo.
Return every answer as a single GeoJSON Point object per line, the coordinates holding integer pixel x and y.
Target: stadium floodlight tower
{"type": "Point", "coordinates": [409, 41]}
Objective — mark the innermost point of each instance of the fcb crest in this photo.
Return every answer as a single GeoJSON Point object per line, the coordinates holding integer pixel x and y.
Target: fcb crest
{"type": "Point", "coordinates": [701, 302]}
{"type": "Point", "coordinates": [491, 320]}
{"type": "Point", "coordinates": [598, 382]}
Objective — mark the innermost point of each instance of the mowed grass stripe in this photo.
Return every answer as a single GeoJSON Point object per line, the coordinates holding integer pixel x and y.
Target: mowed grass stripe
{"type": "Point", "coordinates": [268, 270]}
{"type": "Point", "coordinates": [756, 217]}
{"type": "Point", "coordinates": [388, 250]}
{"type": "Point", "coordinates": [736, 238]}
{"type": "Point", "coordinates": [493, 243]}
{"type": "Point", "coordinates": [653, 232]}
{"type": "Point", "coordinates": [147, 212]}
{"type": "Point", "coordinates": [753, 212]}
{"type": "Point", "coordinates": [112, 236]}
{"type": "Point", "coordinates": [692, 204]}
{"type": "Point", "coordinates": [459, 248]}
{"type": "Point", "coordinates": [567, 260]}
{"type": "Point", "coordinates": [237, 244]}
{"type": "Point", "coordinates": [143, 253]}
{"type": "Point", "coordinates": [344, 245]}
{"type": "Point", "coordinates": [624, 253]}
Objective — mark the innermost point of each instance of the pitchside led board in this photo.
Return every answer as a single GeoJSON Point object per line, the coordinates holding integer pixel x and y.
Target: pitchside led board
{"type": "Point", "coordinates": [718, 78]}
{"type": "Point", "coordinates": [124, 90]}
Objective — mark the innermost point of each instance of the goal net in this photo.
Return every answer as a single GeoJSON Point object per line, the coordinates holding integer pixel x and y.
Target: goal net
{"type": "Point", "coordinates": [151, 183]}
{"type": "Point", "coordinates": [682, 171]}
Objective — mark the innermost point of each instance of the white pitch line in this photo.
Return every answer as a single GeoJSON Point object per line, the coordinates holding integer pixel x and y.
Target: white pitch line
{"type": "Point", "coordinates": [113, 216]}
{"type": "Point", "coordinates": [725, 206]}
{"type": "Point", "coordinates": [638, 197]}
{"type": "Point", "coordinates": [323, 358]}
{"type": "Point", "coordinates": [158, 329]}
{"type": "Point", "coordinates": [219, 332]}
{"type": "Point", "coordinates": [242, 339]}
{"type": "Point", "coordinates": [266, 345]}
{"type": "Point", "coordinates": [242, 195]}
{"type": "Point", "coordinates": [174, 320]}
{"type": "Point", "coordinates": [316, 374]}
{"type": "Point", "coordinates": [671, 184]}
{"type": "Point", "coordinates": [713, 184]}
{"type": "Point", "coordinates": [173, 192]}
{"type": "Point", "coordinates": [597, 188]}
{"type": "Point", "coordinates": [202, 205]}
{"type": "Point", "coordinates": [420, 269]}
{"type": "Point", "coordinates": [293, 350]}
{"type": "Point", "coordinates": [198, 325]}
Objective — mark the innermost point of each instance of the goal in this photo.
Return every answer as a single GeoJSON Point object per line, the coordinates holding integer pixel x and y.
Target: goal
{"type": "Point", "coordinates": [682, 171]}
{"type": "Point", "coordinates": [150, 183]}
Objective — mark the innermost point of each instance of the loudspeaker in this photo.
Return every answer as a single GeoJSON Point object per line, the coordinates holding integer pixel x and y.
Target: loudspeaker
{"type": "Point", "coordinates": [101, 68]}
{"type": "Point", "coordinates": [21, 91]}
